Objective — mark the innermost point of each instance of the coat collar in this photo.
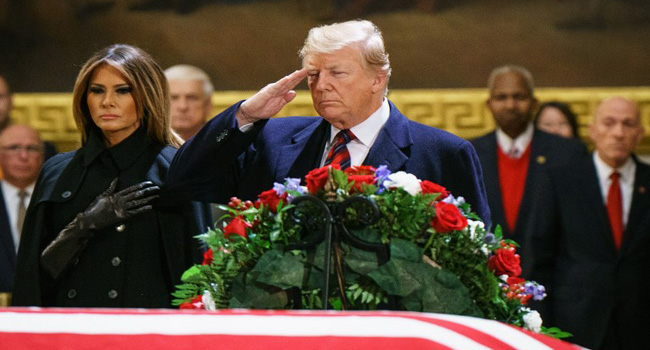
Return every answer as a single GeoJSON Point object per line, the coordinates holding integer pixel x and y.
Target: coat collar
{"type": "Point", "coordinates": [124, 153]}
{"type": "Point", "coordinates": [392, 143]}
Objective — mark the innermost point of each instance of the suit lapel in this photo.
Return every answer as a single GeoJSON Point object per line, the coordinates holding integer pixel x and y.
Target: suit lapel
{"type": "Point", "coordinates": [6, 236]}
{"type": "Point", "coordinates": [640, 204]}
{"type": "Point", "coordinates": [593, 199]}
{"type": "Point", "coordinates": [490, 165]}
{"type": "Point", "coordinates": [304, 152]}
{"type": "Point", "coordinates": [392, 142]}
{"type": "Point", "coordinates": [538, 157]}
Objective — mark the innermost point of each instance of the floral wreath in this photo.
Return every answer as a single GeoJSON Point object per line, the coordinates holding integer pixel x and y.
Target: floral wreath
{"type": "Point", "coordinates": [442, 259]}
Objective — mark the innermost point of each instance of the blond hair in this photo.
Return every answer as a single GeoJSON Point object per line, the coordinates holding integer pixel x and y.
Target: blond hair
{"type": "Point", "coordinates": [149, 90]}
{"type": "Point", "coordinates": [360, 33]}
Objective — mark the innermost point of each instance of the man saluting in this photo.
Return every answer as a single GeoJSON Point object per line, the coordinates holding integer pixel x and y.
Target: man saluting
{"type": "Point", "coordinates": [242, 152]}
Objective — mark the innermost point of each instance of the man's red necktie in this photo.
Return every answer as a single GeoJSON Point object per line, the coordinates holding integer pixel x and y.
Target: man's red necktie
{"type": "Point", "coordinates": [339, 153]}
{"type": "Point", "coordinates": [615, 209]}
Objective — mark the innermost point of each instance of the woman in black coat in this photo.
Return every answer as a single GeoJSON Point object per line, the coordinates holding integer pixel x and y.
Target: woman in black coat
{"type": "Point", "coordinates": [96, 234]}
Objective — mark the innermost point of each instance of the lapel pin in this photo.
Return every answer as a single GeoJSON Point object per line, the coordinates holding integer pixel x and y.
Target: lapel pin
{"type": "Point", "coordinates": [642, 189]}
{"type": "Point", "coordinates": [541, 159]}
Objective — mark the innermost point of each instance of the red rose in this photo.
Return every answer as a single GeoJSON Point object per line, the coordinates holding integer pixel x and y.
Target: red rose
{"type": "Point", "coordinates": [195, 303]}
{"type": "Point", "coordinates": [430, 187]}
{"type": "Point", "coordinates": [207, 257]}
{"type": "Point", "coordinates": [448, 218]}
{"type": "Point", "coordinates": [236, 226]}
{"type": "Point", "coordinates": [359, 180]}
{"type": "Point", "coordinates": [360, 170]}
{"type": "Point", "coordinates": [317, 178]}
{"type": "Point", "coordinates": [505, 262]}
{"type": "Point", "coordinates": [271, 199]}
{"type": "Point", "coordinates": [515, 281]}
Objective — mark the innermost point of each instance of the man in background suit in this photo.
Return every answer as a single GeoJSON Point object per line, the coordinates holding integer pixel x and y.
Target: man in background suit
{"type": "Point", "coordinates": [590, 239]}
{"type": "Point", "coordinates": [21, 158]}
{"type": "Point", "coordinates": [190, 93]}
{"type": "Point", "coordinates": [242, 152]}
{"type": "Point", "coordinates": [513, 155]}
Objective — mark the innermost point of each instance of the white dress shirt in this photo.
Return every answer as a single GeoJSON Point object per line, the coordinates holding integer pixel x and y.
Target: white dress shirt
{"type": "Point", "coordinates": [520, 143]}
{"type": "Point", "coordinates": [366, 134]}
{"type": "Point", "coordinates": [627, 174]}
{"type": "Point", "coordinates": [11, 199]}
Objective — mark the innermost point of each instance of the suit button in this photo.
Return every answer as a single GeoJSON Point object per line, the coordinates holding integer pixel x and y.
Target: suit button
{"type": "Point", "coordinates": [120, 228]}
{"type": "Point", "coordinates": [222, 136]}
{"type": "Point", "coordinates": [112, 294]}
{"type": "Point", "coordinates": [72, 294]}
{"type": "Point", "coordinates": [116, 261]}
{"type": "Point", "coordinates": [66, 194]}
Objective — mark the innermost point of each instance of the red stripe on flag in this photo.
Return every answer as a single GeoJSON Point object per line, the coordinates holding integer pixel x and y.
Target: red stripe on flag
{"type": "Point", "coordinates": [32, 341]}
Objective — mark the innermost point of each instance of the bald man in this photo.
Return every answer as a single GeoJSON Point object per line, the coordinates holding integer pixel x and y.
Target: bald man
{"type": "Point", "coordinates": [590, 242]}
{"type": "Point", "coordinates": [6, 105]}
{"type": "Point", "coordinates": [21, 159]}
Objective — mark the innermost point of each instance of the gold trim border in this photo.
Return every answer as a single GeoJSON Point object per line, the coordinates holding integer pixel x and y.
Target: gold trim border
{"type": "Point", "coordinates": [459, 111]}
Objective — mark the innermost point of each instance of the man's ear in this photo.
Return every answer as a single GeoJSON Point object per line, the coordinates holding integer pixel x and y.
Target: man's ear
{"type": "Point", "coordinates": [379, 82]}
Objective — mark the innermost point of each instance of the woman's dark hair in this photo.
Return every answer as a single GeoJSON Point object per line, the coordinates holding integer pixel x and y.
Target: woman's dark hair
{"type": "Point", "coordinates": [566, 111]}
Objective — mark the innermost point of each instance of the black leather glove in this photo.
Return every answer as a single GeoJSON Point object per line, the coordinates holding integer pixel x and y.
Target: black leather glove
{"type": "Point", "coordinates": [107, 209]}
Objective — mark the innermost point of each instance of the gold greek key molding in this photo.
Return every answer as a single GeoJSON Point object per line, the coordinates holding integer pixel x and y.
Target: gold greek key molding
{"type": "Point", "coordinates": [51, 115]}
{"type": "Point", "coordinates": [459, 111]}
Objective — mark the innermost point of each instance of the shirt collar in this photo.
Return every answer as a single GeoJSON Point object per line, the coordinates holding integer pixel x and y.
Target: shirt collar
{"type": "Point", "coordinates": [604, 170]}
{"type": "Point", "coordinates": [124, 153]}
{"type": "Point", "coordinates": [521, 142]}
{"type": "Point", "coordinates": [367, 131]}
{"type": "Point", "coordinates": [11, 190]}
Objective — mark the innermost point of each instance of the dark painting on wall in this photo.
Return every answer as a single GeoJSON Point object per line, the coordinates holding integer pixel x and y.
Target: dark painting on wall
{"type": "Point", "coordinates": [244, 44]}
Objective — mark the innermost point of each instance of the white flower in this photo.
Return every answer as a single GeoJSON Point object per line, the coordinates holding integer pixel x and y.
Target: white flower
{"type": "Point", "coordinates": [407, 182]}
{"type": "Point", "coordinates": [472, 227]}
{"type": "Point", "coordinates": [208, 302]}
{"type": "Point", "coordinates": [455, 201]}
{"type": "Point", "coordinates": [532, 320]}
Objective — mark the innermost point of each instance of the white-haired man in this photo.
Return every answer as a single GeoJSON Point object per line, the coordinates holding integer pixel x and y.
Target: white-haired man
{"type": "Point", "coordinates": [190, 90]}
{"type": "Point", "coordinates": [589, 242]}
{"type": "Point", "coordinates": [242, 152]}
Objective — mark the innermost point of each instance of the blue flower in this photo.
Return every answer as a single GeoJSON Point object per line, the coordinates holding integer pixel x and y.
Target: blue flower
{"type": "Point", "coordinates": [293, 184]}
{"type": "Point", "coordinates": [279, 188]}
{"type": "Point", "coordinates": [489, 238]}
{"type": "Point", "coordinates": [538, 291]}
{"type": "Point", "coordinates": [382, 173]}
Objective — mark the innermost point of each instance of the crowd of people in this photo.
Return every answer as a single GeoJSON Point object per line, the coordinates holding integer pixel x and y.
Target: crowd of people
{"type": "Point", "coordinates": [112, 223]}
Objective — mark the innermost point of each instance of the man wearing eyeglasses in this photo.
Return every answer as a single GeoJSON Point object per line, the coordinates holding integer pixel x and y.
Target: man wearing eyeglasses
{"type": "Point", "coordinates": [21, 158]}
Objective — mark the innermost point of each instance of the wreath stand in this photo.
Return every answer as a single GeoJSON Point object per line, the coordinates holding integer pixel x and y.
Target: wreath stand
{"type": "Point", "coordinates": [331, 220]}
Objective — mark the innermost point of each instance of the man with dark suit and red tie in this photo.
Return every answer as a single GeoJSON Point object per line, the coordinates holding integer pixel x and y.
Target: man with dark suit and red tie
{"type": "Point", "coordinates": [591, 236]}
{"type": "Point", "coordinates": [515, 153]}
{"type": "Point", "coordinates": [21, 159]}
{"type": "Point", "coordinates": [242, 152]}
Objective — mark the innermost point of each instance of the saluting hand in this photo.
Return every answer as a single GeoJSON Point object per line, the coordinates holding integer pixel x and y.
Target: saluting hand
{"type": "Point", "coordinates": [270, 100]}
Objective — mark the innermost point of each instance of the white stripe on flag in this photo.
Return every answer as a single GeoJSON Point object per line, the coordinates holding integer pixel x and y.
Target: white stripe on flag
{"type": "Point", "coordinates": [196, 324]}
